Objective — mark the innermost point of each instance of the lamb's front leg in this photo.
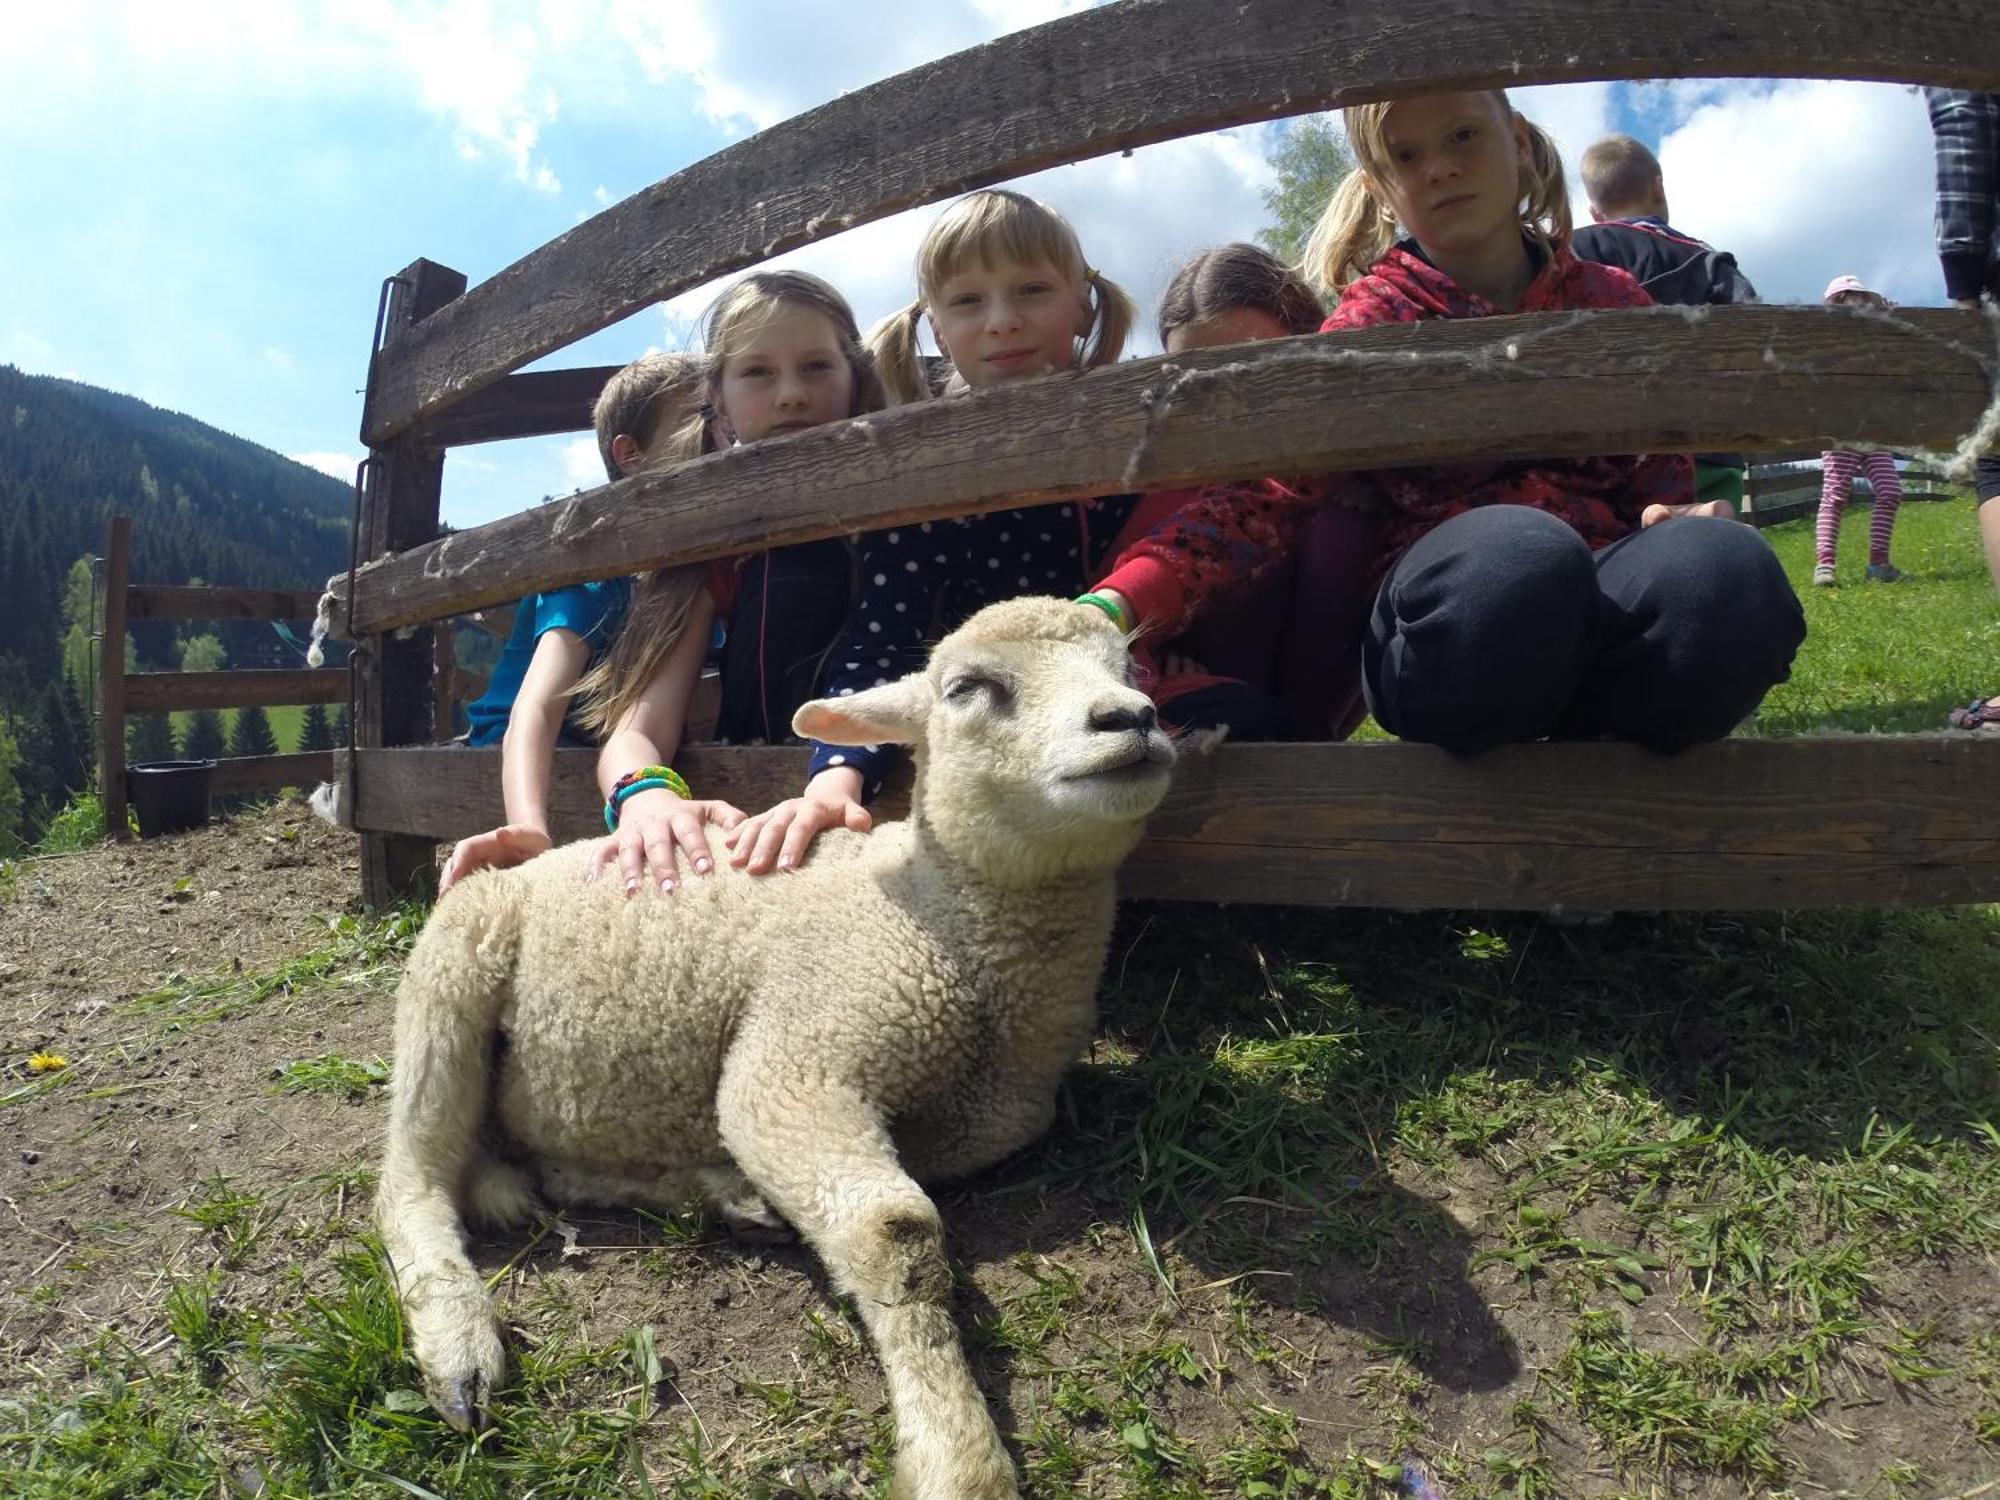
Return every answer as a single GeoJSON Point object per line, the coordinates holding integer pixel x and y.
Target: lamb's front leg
{"type": "Point", "coordinates": [824, 1160]}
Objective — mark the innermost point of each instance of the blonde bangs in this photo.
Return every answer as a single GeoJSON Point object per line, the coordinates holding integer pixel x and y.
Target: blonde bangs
{"type": "Point", "coordinates": [996, 228]}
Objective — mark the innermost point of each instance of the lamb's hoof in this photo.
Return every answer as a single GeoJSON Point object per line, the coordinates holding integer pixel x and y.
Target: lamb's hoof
{"type": "Point", "coordinates": [990, 1477]}
{"type": "Point", "coordinates": [463, 1403]}
{"type": "Point", "coordinates": [463, 1363]}
{"type": "Point", "coordinates": [753, 1221]}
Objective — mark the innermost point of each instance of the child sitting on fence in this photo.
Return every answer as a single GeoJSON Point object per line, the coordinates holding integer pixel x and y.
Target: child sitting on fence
{"type": "Point", "coordinates": [1009, 296]}
{"type": "Point", "coordinates": [641, 415]}
{"type": "Point", "coordinates": [1577, 598]}
{"type": "Point", "coordinates": [1839, 466]}
{"type": "Point", "coordinates": [783, 354]}
{"type": "Point", "coordinates": [1280, 659]}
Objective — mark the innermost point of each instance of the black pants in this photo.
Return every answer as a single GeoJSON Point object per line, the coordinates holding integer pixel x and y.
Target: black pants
{"type": "Point", "coordinates": [792, 603]}
{"type": "Point", "coordinates": [1502, 625]}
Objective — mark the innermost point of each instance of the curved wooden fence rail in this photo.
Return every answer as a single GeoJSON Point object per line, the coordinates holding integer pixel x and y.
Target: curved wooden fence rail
{"type": "Point", "coordinates": [1639, 380]}
{"type": "Point", "coordinates": [1109, 79]}
{"type": "Point", "coordinates": [1738, 824]}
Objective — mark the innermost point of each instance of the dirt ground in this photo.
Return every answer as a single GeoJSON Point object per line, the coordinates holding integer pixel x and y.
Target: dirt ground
{"type": "Point", "coordinates": [165, 1110]}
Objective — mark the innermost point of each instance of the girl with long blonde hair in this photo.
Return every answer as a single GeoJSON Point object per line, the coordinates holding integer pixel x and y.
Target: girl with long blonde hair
{"type": "Point", "coordinates": [1513, 599]}
{"type": "Point", "coordinates": [784, 354]}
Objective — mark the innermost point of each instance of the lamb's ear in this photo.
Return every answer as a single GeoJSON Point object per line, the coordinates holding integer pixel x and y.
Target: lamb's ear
{"type": "Point", "coordinates": [892, 714]}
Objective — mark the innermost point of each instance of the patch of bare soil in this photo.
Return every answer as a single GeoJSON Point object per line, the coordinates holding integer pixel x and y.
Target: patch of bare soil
{"type": "Point", "coordinates": [152, 1102]}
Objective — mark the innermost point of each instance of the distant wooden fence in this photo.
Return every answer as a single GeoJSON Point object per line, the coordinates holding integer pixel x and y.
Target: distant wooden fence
{"type": "Point", "coordinates": [1737, 824]}
{"type": "Point", "coordinates": [1784, 488]}
{"type": "Point", "coordinates": [122, 693]}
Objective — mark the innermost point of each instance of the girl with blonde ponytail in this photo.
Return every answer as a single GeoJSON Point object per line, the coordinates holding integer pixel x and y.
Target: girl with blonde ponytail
{"type": "Point", "coordinates": [1512, 599]}
{"type": "Point", "coordinates": [1006, 291]}
{"type": "Point", "coordinates": [1003, 282]}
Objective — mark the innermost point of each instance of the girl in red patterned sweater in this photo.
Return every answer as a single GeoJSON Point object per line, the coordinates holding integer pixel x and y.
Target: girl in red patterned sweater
{"type": "Point", "coordinates": [1575, 598]}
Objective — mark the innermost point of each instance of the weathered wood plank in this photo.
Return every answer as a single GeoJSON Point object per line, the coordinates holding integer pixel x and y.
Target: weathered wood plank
{"type": "Point", "coordinates": [111, 700]}
{"type": "Point", "coordinates": [165, 601]}
{"type": "Point", "coordinates": [393, 702]}
{"type": "Point", "coordinates": [1743, 824]}
{"type": "Point", "coordinates": [266, 773]}
{"type": "Point", "coordinates": [538, 403]}
{"type": "Point", "coordinates": [159, 692]}
{"type": "Point", "coordinates": [1550, 385]}
{"type": "Point", "coordinates": [1108, 79]}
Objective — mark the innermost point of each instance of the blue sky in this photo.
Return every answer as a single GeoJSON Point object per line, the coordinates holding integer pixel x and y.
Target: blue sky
{"type": "Point", "coordinates": [200, 201]}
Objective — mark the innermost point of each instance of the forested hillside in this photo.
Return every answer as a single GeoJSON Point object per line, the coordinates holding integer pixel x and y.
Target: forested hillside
{"type": "Point", "coordinates": [205, 507]}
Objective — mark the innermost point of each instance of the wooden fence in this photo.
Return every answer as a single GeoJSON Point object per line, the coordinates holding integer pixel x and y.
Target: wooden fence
{"type": "Point", "coordinates": [122, 693]}
{"type": "Point", "coordinates": [1786, 488]}
{"type": "Point", "coordinates": [1737, 824]}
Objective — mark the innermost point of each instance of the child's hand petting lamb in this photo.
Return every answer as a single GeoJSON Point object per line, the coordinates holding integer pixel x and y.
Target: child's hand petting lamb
{"type": "Point", "coordinates": [496, 849]}
{"type": "Point", "coordinates": [662, 836]}
{"type": "Point", "coordinates": [899, 1010]}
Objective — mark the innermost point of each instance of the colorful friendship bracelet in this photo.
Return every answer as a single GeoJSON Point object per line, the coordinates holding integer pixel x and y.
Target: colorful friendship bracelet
{"type": "Point", "coordinates": [1120, 616]}
{"type": "Point", "coordinates": [645, 779]}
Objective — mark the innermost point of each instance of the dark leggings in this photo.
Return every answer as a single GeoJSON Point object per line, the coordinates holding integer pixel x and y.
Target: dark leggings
{"type": "Point", "coordinates": [1502, 625]}
{"type": "Point", "coordinates": [791, 605]}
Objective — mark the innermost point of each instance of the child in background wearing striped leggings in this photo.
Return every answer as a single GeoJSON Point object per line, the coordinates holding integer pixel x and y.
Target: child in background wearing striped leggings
{"type": "Point", "coordinates": [1839, 467]}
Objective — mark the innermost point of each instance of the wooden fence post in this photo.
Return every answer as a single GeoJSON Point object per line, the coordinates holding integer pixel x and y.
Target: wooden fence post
{"type": "Point", "coordinates": [111, 676]}
{"type": "Point", "coordinates": [399, 510]}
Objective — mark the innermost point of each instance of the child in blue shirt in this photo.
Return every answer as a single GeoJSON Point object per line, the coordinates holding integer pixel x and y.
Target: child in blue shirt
{"type": "Point", "coordinates": [558, 636]}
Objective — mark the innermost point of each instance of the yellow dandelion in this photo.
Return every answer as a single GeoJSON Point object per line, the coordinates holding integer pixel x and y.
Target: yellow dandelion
{"type": "Point", "coordinates": [47, 1062]}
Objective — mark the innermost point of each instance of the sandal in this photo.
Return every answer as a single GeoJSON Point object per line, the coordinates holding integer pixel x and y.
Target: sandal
{"type": "Point", "coordinates": [1980, 716]}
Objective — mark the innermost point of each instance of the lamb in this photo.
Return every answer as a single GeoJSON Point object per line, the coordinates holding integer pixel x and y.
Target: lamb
{"type": "Point", "coordinates": [898, 1010]}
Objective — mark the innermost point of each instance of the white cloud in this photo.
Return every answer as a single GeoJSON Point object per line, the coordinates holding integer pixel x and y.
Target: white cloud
{"type": "Point", "coordinates": [280, 358]}
{"type": "Point", "coordinates": [753, 69]}
{"type": "Point", "coordinates": [1804, 181]}
{"type": "Point", "coordinates": [339, 465]}
{"type": "Point", "coordinates": [1138, 218]}
{"type": "Point", "coordinates": [581, 462]}
{"type": "Point", "coordinates": [1574, 114]}
{"type": "Point", "coordinates": [26, 351]}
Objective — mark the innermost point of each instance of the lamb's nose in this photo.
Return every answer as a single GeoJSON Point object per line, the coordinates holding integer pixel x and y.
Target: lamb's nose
{"type": "Point", "coordinates": [1118, 718]}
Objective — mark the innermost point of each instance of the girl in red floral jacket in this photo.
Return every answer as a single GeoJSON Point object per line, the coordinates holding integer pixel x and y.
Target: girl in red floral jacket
{"type": "Point", "coordinates": [1517, 599]}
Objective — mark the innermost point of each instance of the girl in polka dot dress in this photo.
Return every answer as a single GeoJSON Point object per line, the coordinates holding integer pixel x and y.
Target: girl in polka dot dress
{"type": "Point", "coordinates": [1009, 296]}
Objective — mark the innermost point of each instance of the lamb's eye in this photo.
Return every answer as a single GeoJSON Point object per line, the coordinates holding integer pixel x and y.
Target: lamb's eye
{"type": "Point", "coordinates": [971, 687]}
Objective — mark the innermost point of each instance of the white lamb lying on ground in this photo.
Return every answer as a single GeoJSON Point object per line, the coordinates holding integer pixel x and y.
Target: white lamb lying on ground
{"type": "Point", "coordinates": [900, 1009]}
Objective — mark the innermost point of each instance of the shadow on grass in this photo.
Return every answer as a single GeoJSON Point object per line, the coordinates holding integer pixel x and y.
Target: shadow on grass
{"type": "Point", "coordinates": [1256, 1064]}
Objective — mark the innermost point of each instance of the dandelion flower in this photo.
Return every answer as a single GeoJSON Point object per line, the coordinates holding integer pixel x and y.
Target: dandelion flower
{"type": "Point", "coordinates": [47, 1062]}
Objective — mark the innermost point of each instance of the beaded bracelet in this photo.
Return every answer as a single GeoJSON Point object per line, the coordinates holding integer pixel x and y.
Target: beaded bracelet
{"type": "Point", "coordinates": [645, 779]}
{"type": "Point", "coordinates": [1120, 615]}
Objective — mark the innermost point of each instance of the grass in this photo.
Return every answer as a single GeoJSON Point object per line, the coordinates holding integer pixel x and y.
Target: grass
{"type": "Point", "coordinates": [357, 951]}
{"type": "Point", "coordinates": [1889, 658]}
{"type": "Point", "coordinates": [286, 723]}
{"type": "Point", "coordinates": [330, 1073]}
{"type": "Point", "coordinates": [1690, 1204]}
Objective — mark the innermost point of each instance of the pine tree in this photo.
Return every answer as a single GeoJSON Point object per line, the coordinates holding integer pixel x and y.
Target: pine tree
{"type": "Point", "coordinates": [12, 831]}
{"type": "Point", "coordinates": [149, 737]}
{"type": "Point", "coordinates": [343, 732]}
{"type": "Point", "coordinates": [204, 739]}
{"type": "Point", "coordinates": [315, 733]}
{"type": "Point", "coordinates": [251, 734]}
{"type": "Point", "coordinates": [1310, 160]}
{"type": "Point", "coordinates": [66, 737]}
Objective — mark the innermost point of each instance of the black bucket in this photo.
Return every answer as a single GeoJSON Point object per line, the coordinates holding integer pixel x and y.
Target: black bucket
{"type": "Point", "coordinates": [169, 796]}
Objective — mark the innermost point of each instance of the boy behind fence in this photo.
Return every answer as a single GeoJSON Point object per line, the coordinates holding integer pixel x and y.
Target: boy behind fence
{"type": "Point", "coordinates": [1628, 202]}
